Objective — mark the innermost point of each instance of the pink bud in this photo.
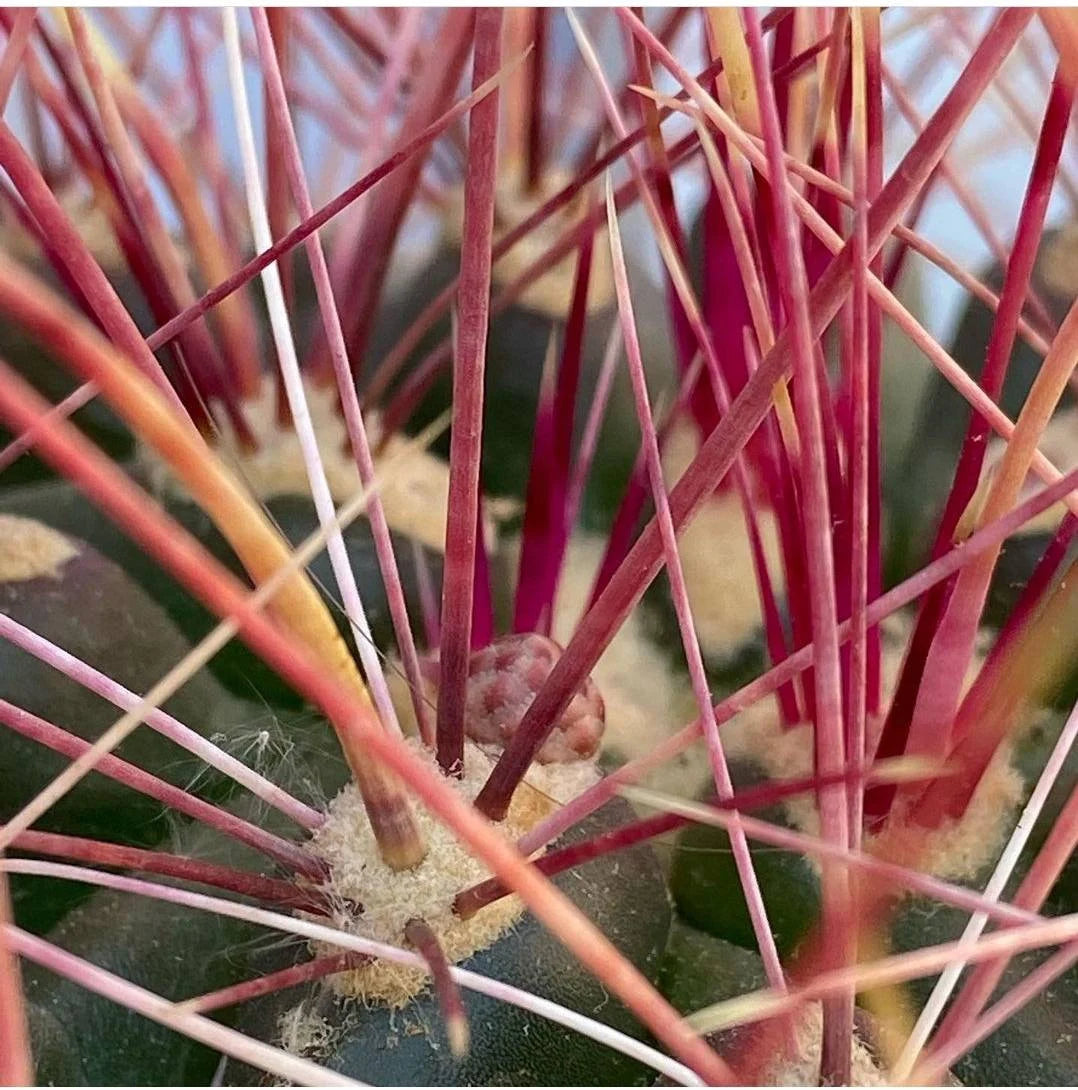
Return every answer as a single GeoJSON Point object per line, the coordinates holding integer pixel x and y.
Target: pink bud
{"type": "Point", "coordinates": [503, 679]}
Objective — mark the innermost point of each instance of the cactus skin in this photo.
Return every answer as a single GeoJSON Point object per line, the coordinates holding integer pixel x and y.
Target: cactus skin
{"type": "Point", "coordinates": [83, 1039]}
{"type": "Point", "coordinates": [707, 889]}
{"type": "Point", "coordinates": [92, 609]}
{"type": "Point", "coordinates": [64, 508]}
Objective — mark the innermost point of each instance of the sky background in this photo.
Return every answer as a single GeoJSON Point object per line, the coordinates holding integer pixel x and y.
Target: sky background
{"type": "Point", "coordinates": [992, 155]}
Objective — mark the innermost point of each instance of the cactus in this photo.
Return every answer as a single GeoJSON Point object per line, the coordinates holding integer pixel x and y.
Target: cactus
{"type": "Point", "coordinates": [470, 609]}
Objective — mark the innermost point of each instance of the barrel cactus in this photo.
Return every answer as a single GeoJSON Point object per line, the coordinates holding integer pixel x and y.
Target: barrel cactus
{"type": "Point", "coordinates": [482, 601]}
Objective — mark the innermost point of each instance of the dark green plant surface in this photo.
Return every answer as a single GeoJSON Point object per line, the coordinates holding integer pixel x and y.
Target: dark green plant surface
{"type": "Point", "coordinates": [707, 889]}
{"type": "Point", "coordinates": [54, 382]}
{"type": "Point", "coordinates": [699, 969]}
{"type": "Point", "coordinates": [178, 952]}
{"type": "Point", "coordinates": [726, 674]}
{"type": "Point", "coordinates": [102, 609]}
{"type": "Point", "coordinates": [92, 609]}
{"type": "Point", "coordinates": [63, 507]}
{"type": "Point", "coordinates": [1035, 1047]}
{"type": "Point", "coordinates": [83, 1039]}
{"type": "Point", "coordinates": [684, 925]}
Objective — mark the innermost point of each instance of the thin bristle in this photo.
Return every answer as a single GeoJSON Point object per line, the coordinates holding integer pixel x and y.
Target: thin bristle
{"type": "Point", "coordinates": [70, 745]}
{"type": "Point", "coordinates": [160, 721]}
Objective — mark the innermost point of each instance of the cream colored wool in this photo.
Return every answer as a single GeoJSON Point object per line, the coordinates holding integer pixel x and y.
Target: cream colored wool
{"type": "Point", "coordinates": [758, 734]}
{"type": "Point", "coordinates": [803, 1068]}
{"type": "Point", "coordinates": [1056, 262]}
{"type": "Point", "coordinates": [302, 1032]}
{"type": "Point", "coordinates": [87, 216]}
{"type": "Point", "coordinates": [31, 550]}
{"type": "Point", "coordinates": [390, 898]}
{"type": "Point", "coordinates": [414, 494]}
{"type": "Point", "coordinates": [957, 849]}
{"type": "Point", "coordinates": [647, 698]}
{"type": "Point", "coordinates": [562, 781]}
{"type": "Point", "coordinates": [551, 293]}
{"type": "Point", "coordinates": [647, 701]}
{"type": "Point", "coordinates": [717, 559]}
